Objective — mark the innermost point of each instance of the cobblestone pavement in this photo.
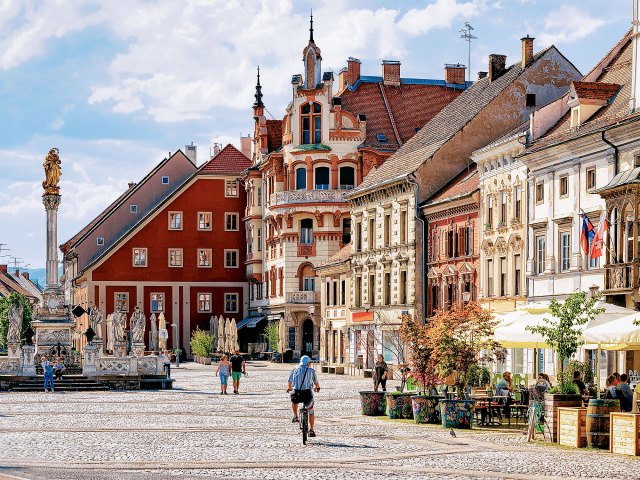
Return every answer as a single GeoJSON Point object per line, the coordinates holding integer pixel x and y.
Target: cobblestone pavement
{"type": "Point", "coordinates": [192, 432]}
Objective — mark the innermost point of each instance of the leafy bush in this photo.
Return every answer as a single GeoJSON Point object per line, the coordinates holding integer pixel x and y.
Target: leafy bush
{"type": "Point", "coordinates": [565, 389]}
{"type": "Point", "coordinates": [478, 376]}
{"type": "Point", "coordinates": [272, 334]}
{"type": "Point", "coordinates": [201, 343]}
{"type": "Point", "coordinates": [577, 366]}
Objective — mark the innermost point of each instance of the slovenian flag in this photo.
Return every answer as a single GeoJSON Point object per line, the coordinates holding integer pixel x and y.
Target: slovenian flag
{"type": "Point", "coordinates": [598, 239]}
{"type": "Point", "coordinates": [588, 232]}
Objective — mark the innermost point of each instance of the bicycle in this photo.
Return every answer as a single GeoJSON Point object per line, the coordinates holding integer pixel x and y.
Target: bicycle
{"type": "Point", "coordinates": [537, 421]}
{"type": "Point", "coordinates": [303, 416]}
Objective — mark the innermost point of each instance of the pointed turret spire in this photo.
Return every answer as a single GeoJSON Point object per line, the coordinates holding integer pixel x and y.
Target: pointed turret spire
{"type": "Point", "coordinates": [258, 95]}
{"type": "Point", "coordinates": [311, 28]}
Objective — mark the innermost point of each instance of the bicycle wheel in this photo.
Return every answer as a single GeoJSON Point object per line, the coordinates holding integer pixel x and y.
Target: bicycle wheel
{"type": "Point", "coordinates": [304, 425]}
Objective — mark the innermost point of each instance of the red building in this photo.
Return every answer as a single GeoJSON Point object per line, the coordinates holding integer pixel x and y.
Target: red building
{"type": "Point", "coordinates": [184, 258]}
{"type": "Point", "coordinates": [452, 259]}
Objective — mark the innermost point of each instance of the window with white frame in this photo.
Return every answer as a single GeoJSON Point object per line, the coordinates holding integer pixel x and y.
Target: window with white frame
{"type": "Point", "coordinates": [301, 178]}
{"type": "Point", "coordinates": [259, 231]}
{"type": "Point", "coordinates": [517, 280]}
{"type": "Point", "coordinates": [100, 241]}
{"type": "Point", "coordinates": [565, 251]}
{"type": "Point", "coordinates": [503, 208]}
{"type": "Point", "coordinates": [121, 301]}
{"type": "Point", "coordinates": [139, 257]}
{"type": "Point", "coordinates": [204, 302]}
{"type": "Point", "coordinates": [175, 220]}
{"type": "Point", "coordinates": [165, 180]}
{"type": "Point", "coordinates": [540, 253]}
{"type": "Point", "coordinates": [503, 277]}
{"type": "Point", "coordinates": [133, 208]}
{"type": "Point", "coordinates": [175, 257]}
{"type": "Point", "coordinates": [231, 258]}
{"type": "Point", "coordinates": [539, 192]}
{"type": "Point", "coordinates": [231, 188]}
{"type": "Point", "coordinates": [489, 278]}
{"type": "Point", "coordinates": [204, 257]}
{"type": "Point", "coordinates": [308, 284]}
{"type": "Point", "coordinates": [204, 220]}
{"type": "Point", "coordinates": [591, 178]}
{"type": "Point", "coordinates": [230, 303]}
{"type": "Point", "coordinates": [157, 302]}
{"type": "Point", "coordinates": [306, 231]}
{"type": "Point", "coordinates": [231, 221]}
{"type": "Point", "coordinates": [518, 203]}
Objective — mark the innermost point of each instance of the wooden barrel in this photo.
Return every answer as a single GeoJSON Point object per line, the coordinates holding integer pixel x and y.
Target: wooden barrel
{"type": "Point", "coordinates": [598, 412]}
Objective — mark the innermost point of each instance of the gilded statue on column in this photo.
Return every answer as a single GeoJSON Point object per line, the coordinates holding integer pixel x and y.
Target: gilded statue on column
{"type": "Point", "coordinates": [52, 173]}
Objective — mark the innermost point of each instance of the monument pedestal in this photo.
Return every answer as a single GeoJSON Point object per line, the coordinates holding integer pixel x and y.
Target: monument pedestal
{"type": "Point", "coordinates": [89, 367]}
{"type": "Point", "coordinates": [99, 346]}
{"type": "Point", "coordinates": [28, 361]}
{"type": "Point", "coordinates": [13, 349]}
{"type": "Point", "coordinates": [120, 349]}
{"type": "Point", "coordinates": [138, 349]}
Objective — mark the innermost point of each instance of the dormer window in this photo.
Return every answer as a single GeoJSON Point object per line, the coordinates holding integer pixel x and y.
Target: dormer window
{"type": "Point", "coordinates": [311, 114]}
{"type": "Point", "coordinates": [382, 138]}
{"type": "Point", "coordinates": [586, 98]}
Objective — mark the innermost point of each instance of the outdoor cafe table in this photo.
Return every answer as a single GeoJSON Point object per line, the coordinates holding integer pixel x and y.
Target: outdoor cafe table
{"type": "Point", "coordinates": [490, 402]}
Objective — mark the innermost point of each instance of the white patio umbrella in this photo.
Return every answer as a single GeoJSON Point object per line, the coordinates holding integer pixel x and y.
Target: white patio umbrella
{"type": "Point", "coordinates": [221, 336]}
{"type": "Point", "coordinates": [227, 335]}
{"type": "Point", "coordinates": [282, 332]}
{"type": "Point", "coordinates": [234, 335]}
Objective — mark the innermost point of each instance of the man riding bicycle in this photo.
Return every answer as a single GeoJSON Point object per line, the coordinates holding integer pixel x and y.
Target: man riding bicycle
{"type": "Point", "coordinates": [303, 381]}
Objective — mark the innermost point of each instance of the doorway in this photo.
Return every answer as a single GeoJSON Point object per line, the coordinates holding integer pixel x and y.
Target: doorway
{"type": "Point", "coordinates": [307, 337]}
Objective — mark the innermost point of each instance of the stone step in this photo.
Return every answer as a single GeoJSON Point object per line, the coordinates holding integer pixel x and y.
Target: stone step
{"type": "Point", "coordinates": [69, 383]}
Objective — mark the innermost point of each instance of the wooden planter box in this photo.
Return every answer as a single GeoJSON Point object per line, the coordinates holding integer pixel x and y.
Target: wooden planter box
{"type": "Point", "coordinates": [572, 427]}
{"type": "Point", "coordinates": [625, 433]}
{"type": "Point", "coordinates": [551, 405]}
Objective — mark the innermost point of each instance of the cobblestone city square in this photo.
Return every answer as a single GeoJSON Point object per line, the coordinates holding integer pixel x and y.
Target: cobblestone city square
{"type": "Point", "coordinates": [193, 432]}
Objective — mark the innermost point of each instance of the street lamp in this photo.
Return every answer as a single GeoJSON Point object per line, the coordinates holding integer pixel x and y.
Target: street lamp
{"type": "Point", "coordinates": [175, 343]}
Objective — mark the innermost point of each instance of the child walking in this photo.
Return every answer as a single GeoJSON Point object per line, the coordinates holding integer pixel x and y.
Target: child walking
{"type": "Point", "coordinates": [223, 372]}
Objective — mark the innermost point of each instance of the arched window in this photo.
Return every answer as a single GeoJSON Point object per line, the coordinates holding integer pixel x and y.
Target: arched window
{"type": "Point", "coordinates": [311, 123]}
{"type": "Point", "coordinates": [346, 231]}
{"type": "Point", "coordinates": [301, 178]}
{"type": "Point", "coordinates": [347, 178]}
{"type": "Point", "coordinates": [306, 231]}
{"type": "Point", "coordinates": [307, 279]}
{"type": "Point", "coordinates": [322, 178]}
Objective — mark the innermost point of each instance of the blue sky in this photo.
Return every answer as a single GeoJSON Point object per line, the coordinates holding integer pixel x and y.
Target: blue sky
{"type": "Point", "coordinates": [117, 85]}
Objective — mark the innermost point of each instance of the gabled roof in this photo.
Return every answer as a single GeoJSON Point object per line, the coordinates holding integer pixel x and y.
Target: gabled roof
{"type": "Point", "coordinates": [228, 161]}
{"type": "Point", "coordinates": [340, 257]}
{"type": "Point", "coordinates": [595, 90]}
{"type": "Point", "coordinates": [9, 284]}
{"type": "Point", "coordinates": [614, 73]}
{"type": "Point", "coordinates": [408, 106]}
{"type": "Point", "coordinates": [441, 128]}
{"type": "Point", "coordinates": [66, 246]}
{"type": "Point", "coordinates": [464, 184]}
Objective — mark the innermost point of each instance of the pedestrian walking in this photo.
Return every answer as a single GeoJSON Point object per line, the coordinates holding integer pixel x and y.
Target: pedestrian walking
{"type": "Point", "coordinates": [47, 368]}
{"type": "Point", "coordinates": [59, 368]}
{"type": "Point", "coordinates": [238, 368]}
{"type": "Point", "coordinates": [223, 370]}
{"type": "Point", "coordinates": [380, 374]}
{"type": "Point", "coordinates": [166, 358]}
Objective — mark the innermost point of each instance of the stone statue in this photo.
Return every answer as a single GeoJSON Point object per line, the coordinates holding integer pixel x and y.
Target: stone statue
{"type": "Point", "coordinates": [119, 321]}
{"type": "Point", "coordinates": [110, 333]}
{"type": "Point", "coordinates": [15, 323]}
{"type": "Point", "coordinates": [52, 173]}
{"type": "Point", "coordinates": [153, 338]}
{"type": "Point", "coordinates": [137, 326]}
{"type": "Point", "coordinates": [95, 321]}
{"type": "Point", "coordinates": [163, 335]}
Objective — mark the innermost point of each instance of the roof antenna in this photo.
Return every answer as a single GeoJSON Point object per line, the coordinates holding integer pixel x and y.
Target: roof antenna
{"type": "Point", "coordinates": [311, 29]}
{"type": "Point", "coordinates": [468, 37]}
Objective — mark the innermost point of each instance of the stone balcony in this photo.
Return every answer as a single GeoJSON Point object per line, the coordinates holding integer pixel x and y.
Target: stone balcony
{"type": "Point", "coordinates": [621, 278]}
{"type": "Point", "coordinates": [294, 197]}
{"type": "Point", "coordinates": [303, 297]}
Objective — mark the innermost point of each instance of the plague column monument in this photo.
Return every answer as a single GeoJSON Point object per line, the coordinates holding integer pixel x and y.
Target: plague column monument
{"type": "Point", "coordinates": [52, 320]}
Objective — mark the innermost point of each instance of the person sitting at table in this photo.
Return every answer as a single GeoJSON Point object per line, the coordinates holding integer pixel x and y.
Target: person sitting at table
{"type": "Point", "coordinates": [611, 388]}
{"type": "Point", "coordinates": [504, 387]}
{"type": "Point", "coordinates": [577, 379]}
{"type": "Point", "coordinates": [542, 385]}
{"type": "Point", "coordinates": [616, 379]}
{"type": "Point", "coordinates": [625, 394]}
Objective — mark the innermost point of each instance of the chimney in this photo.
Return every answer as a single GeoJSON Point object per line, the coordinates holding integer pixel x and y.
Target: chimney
{"type": "Point", "coordinates": [635, 66]}
{"type": "Point", "coordinates": [353, 70]}
{"type": "Point", "coordinates": [216, 149]}
{"type": "Point", "coordinates": [131, 184]}
{"type": "Point", "coordinates": [191, 151]}
{"type": "Point", "coordinates": [342, 79]}
{"type": "Point", "coordinates": [25, 275]}
{"type": "Point", "coordinates": [391, 72]}
{"type": "Point", "coordinates": [497, 65]}
{"type": "Point", "coordinates": [454, 73]}
{"type": "Point", "coordinates": [3, 269]}
{"type": "Point", "coordinates": [245, 145]}
{"type": "Point", "coordinates": [482, 75]}
{"type": "Point", "coordinates": [527, 51]}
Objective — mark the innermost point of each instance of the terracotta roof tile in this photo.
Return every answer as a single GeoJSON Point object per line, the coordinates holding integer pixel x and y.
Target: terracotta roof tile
{"type": "Point", "coordinates": [274, 134]}
{"type": "Point", "coordinates": [595, 90]}
{"type": "Point", "coordinates": [229, 160]}
{"type": "Point", "coordinates": [442, 127]}
{"type": "Point", "coordinates": [340, 257]}
{"type": "Point", "coordinates": [465, 183]}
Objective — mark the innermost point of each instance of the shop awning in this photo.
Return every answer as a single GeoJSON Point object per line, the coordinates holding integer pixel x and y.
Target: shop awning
{"type": "Point", "coordinates": [250, 322]}
{"type": "Point", "coordinates": [618, 333]}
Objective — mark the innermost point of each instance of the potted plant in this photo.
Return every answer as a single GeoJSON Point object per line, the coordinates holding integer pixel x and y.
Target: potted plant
{"type": "Point", "coordinates": [461, 339]}
{"type": "Point", "coordinates": [425, 403]}
{"type": "Point", "coordinates": [201, 343]}
{"type": "Point", "coordinates": [563, 333]}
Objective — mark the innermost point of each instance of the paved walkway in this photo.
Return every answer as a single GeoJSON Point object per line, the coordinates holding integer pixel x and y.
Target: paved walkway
{"type": "Point", "coordinates": [192, 432]}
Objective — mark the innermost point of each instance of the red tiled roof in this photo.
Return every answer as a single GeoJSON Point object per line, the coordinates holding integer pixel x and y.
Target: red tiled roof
{"type": "Point", "coordinates": [410, 105]}
{"type": "Point", "coordinates": [595, 90]}
{"type": "Point", "coordinates": [274, 134]}
{"type": "Point", "coordinates": [229, 160]}
{"type": "Point", "coordinates": [465, 183]}
{"type": "Point", "coordinates": [340, 257]}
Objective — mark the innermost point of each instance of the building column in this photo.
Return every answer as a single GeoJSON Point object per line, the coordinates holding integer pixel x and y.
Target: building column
{"type": "Point", "coordinates": [186, 320]}
{"type": "Point", "coordinates": [309, 174]}
{"type": "Point", "coordinates": [577, 263]}
{"type": "Point", "coordinates": [550, 260]}
{"type": "Point", "coordinates": [334, 172]}
{"type": "Point", "coordinates": [530, 257]}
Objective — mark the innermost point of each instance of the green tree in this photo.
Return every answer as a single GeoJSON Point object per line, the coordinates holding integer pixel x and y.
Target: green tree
{"type": "Point", "coordinates": [563, 332]}
{"type": "Point", "coordinates": [420, 352]}
{"type": "Point", "coordinates": [5, 305]}
{"type": "Point", "coordinates": [201, 343]}
{"type": "Point", "coordinates": [272, 334]}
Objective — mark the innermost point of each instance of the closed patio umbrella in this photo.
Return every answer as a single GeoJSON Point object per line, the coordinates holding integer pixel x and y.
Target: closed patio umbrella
{"type": "Point", "coordinates": [213, 331]}
{"type": "Point", "coordinates": [227, 336]}
{"type": "Point", "coordinates": [162, 332]}
{"type": "Point", "coordinates": [234, 335]}
{"type": "Point", "coordinates": [221, 345]}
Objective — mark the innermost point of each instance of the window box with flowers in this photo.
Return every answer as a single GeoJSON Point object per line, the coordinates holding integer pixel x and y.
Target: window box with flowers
{"type": "Point", "coordinates": [488, 227]}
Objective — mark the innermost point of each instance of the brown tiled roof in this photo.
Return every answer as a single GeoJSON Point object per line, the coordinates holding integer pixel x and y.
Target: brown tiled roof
{"type": "Point", "coordinates": [340, 257]}
{"type": "Point", "coordinates": [616, 73]}
{"type": "Point", "coordinates": [229, 160]}
{"type": "Point", "coordinates": [410, 105]}
{"type": "Point", "coordinates": [274, 134]}
{"type": "Point", "coordinates": [12, 285]}
{"type": "Point", "coordinates": [595, 90]}
{"type": "Point", "coordinates": [442, 127]}
{"type": "Point", "coordinates": [463, 184]}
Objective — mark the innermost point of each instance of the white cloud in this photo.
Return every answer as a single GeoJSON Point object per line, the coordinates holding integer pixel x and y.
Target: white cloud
{"type": "Point", "coordinates": [569, 24]}
{"type": "Point", "coordinates": [440, 14]}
